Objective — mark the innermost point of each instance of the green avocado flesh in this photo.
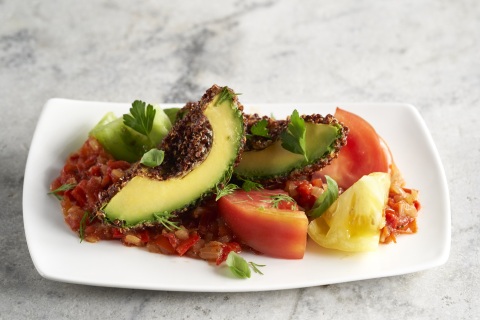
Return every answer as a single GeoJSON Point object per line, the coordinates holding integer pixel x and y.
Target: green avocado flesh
{"type": "Point", "coordinates": [275, 161]}
{"type": "Point", "coordinates": [124, 143]}
{"type": "Point", "coordinates": [143, 198]}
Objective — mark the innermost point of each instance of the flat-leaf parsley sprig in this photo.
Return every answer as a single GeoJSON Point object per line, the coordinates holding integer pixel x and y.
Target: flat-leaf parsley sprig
{"type": "Point", "coordinates": [141, 119]}
{"type": "Point", "coordinates": [259, 129]}
{"type": "Point", "coordinates": [293, 139]}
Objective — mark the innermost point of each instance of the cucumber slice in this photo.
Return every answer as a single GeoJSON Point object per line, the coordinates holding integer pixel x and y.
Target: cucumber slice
{"type": "Point", "coordinates": [124, 143]}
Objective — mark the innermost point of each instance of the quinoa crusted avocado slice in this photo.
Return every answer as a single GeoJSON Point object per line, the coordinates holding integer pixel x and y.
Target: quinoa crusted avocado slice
{"type": "Point", "coordinates": [267, 162]}
{"type": "Point", "coordinates": [200, 152]}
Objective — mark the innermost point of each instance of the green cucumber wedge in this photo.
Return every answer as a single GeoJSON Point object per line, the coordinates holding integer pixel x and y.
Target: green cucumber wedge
{"type": "Point", "coordinates": [124, 143]}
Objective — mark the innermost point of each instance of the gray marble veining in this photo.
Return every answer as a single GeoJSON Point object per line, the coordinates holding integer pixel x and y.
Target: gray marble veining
{"type": "Point", "coordinates": [422, 52]}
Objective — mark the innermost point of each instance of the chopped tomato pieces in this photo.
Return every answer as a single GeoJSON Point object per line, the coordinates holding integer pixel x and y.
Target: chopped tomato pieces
{"type": "Point", "coordinates": [183, 247]}
{"type": "Point", "coordinates": [164, 245]}
{"type": "Point", "coordinates": [226, 249]}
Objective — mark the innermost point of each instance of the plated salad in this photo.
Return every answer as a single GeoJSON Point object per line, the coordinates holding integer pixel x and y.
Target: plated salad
{"type": "Point", "coordinates": [208, 181]}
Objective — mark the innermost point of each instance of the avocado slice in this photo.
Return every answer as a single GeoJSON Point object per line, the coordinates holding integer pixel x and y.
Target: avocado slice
{"type": "Point", "coordinates": [124, 143]}
{"type": "Point", "coordinates": [273, 164]}
{"type": "Point", "coordinates": [200, 153]}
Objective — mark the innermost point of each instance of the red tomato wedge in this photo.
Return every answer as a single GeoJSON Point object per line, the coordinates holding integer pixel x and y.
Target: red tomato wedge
{"type": "Point", "coordinates": [364, 153]}
{"type": "Point", "coordinates": [275, 230]}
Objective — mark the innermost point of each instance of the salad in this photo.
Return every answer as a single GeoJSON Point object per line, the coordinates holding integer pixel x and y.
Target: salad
{"type": "Point", "coordinates": [208, 181]}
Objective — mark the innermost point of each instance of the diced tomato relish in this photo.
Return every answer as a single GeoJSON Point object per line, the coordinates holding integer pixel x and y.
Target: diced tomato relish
{"type": "Point", "coordinates": [202, 233]}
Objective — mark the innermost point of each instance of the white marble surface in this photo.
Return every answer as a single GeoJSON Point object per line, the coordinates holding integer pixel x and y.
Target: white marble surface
{"type": "Point", "coordinates": [422, 52]}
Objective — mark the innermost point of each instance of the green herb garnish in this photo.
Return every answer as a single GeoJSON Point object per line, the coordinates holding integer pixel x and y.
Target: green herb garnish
{"type": "Point", "coordinates": [276, 199]}
{"type": "Point", "coordinates": [325, 200]}
{"type": "Point", "coordinates": [152, 158]}
{"type": "Point", "coordinates": [260, 129]}
{"type": "Point", "coordinates": [249, 185]}
{"type": "Point", "coordinates": [255, 266]}
{"type": "Point", "coordinates": [83, 224]}
{"type": "Point", "coordinates": [293, 139]}
{"type": "Point", "coordinates": [141, 118]}
{"type": "Point", "coordinates": [228, 189]}
{"type": "Point", "coordinates": [164, 219]}
{"type": "Point", "coordinates": [62, 188]}
{"type": "Point", "coordinates": [237, 265]}
{"type": "Point", "coordinates": [226, 95]}
{"type": "Point", "coordinates": [240, 267]}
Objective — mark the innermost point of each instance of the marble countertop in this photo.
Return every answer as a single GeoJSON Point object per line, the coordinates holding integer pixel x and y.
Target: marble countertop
{"type": "Point", "coordinates": [426, 53]}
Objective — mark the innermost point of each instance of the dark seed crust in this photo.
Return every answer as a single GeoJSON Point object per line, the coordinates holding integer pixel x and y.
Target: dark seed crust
{"type": "Point", "coordinates": [188, 143]}
{"type": "Point", "coordinates": [274, 127]}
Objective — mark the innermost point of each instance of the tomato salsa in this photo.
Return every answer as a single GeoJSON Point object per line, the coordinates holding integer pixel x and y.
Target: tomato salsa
{"type": "Point", "coordinates": [90, 170]}
{"type": "Point", "coordinates": [202, 232]}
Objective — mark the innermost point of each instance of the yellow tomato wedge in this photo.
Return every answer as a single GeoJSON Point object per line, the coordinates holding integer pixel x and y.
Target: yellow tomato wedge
{"type": "Point", "coordinates": [353, 222]}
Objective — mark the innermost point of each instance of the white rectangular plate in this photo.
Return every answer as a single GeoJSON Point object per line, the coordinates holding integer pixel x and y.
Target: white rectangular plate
{"type": "Point", "coordinates": [58, 254]}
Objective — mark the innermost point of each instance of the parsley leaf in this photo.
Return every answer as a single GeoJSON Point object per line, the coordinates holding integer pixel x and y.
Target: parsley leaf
{"type": "Point", "coordinates": [293, 139]}
{"type": "Point", "coordinates": [325, 200]}
{"type": "Point", "coordinates": [152, 158]}
{"type": "Point", "coordinates": [62, 188]}
{"type": "Point", "coordinates": [260, 129]}
{"type": "Point", "coordinates": [140, 118]}
{"type": "Point", "coordinates": [228, 189]}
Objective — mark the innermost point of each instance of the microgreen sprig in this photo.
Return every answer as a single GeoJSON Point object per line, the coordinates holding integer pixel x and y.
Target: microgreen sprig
{"type": "Point", "coordinates": [239, 267]}
{"type": "Point", "coordinates": [83, 225]}
{"type": "Point", "coordinates": [164, 219]}
{"type": "Point", "coordinates": [275, 200]}
{"type": "Point", "coordinates": [226, 95]}
{"type": "Point", "coordinates": [62, 188]}
{"type": "Point", "coordinates": [255, 266]}
{"type": "Point", "coordinates": [226, 190]}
